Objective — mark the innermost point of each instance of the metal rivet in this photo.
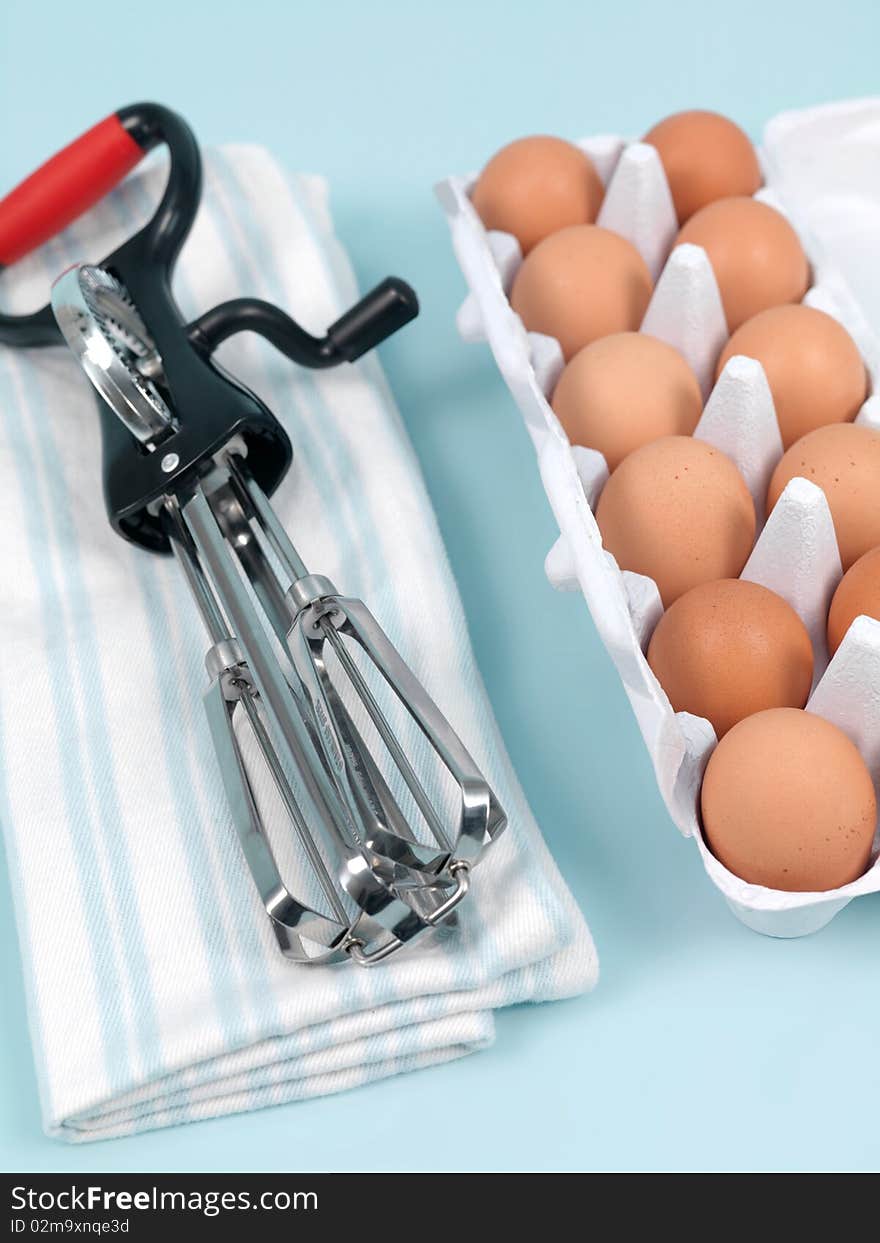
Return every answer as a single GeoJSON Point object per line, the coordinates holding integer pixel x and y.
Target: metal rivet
{"type": "Point", "coordinates": [170, 462]}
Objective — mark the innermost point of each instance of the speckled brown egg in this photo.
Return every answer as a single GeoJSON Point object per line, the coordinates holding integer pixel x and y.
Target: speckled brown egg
{"type": "Point", "coordinates": [755, 254]}
{"type": "Point", "coordinates": [813, 366]}
{"type": "Point", "coordinates": [857, 595]}
{"type": "Point", "coordinates": [535, 186]}
{"type": "Point", "coordinates": [678, 511]}
{"type": "Point", "coordinates": [842, 459]}
{"type": "Point", "coordinates": [788, 803]}
{"type": "Point", "coordinates": [727, 649]}
{"type": "Point", "coordinates": [705, 157]}
{"type": "Point", "coordinates": [580, 284]}
{"type": "Point", "coordinates": [624, 391]}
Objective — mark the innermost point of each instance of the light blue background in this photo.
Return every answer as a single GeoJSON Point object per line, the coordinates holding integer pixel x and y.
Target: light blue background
{"type": "Point", "coordinates": [705, 1046]}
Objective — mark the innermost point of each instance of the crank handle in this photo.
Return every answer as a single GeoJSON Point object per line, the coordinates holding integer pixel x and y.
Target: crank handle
{"type": "Point", "coordinates": [373, 319]}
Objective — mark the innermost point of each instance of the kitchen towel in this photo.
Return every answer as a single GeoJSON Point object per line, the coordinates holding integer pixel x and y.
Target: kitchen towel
{"type": "Point", "coordinates": [156, 992]}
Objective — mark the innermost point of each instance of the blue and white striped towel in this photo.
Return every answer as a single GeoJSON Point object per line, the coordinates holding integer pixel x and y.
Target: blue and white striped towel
{"type": "Point", "coordinates": [156, 993]}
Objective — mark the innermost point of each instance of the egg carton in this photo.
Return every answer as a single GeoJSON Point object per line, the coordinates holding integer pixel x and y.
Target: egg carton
{"type": "Point", "coordinates": [796, 552]}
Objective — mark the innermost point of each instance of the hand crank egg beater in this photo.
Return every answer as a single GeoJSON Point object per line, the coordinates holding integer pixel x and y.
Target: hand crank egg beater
{"type": "Point", "coordinates": [298, 673]}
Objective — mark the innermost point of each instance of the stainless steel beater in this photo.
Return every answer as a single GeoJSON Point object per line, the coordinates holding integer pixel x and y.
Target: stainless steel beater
{"type": "Point", "coordinates": [303, 683]}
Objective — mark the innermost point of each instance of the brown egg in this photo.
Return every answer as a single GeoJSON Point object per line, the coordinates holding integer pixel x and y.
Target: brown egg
{"type": "Point", "coordinates": [788, 803]}
{"type": "Point", "coordinates": [535, 186]}
{"type": "Point", "coordinates": [842, 459]}
{"type": "Point", "coordinates": [705, 157]}
{"type": "Point", "coordinates": [727, 649]}
{"type": "Point", "coordinates": [857, 595]}
{"type": "Point", "coordinates": [580, 284]}
{"type": "Point", "coordinates": [680, 512]}
{"type": "Point", "coordinates": [813, 366]}
{"type": "Point", "coordinates": [755, 254]}
{"type": "Point", "coordinates": [625, 390]}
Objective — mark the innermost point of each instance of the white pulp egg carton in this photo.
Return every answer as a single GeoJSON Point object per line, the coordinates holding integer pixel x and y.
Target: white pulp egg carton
{"type": "Point", "coordinates": [822, 170]}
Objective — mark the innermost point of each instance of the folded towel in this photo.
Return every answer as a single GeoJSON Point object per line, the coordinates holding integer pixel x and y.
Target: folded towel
{"type": "Point", "coordinates": [156, 992]}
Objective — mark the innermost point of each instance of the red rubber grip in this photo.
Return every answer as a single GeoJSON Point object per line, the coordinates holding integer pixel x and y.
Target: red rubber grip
{"type": "Point", "coordinates": [68, 184]}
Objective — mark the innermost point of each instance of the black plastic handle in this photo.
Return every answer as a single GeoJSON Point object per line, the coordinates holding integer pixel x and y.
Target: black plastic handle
{"type": "Point", "coordinates": [81, 174]}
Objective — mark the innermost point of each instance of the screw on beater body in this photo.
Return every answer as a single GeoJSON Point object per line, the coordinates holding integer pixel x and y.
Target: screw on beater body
{"type": "Point", "coordinates": [294, 668]}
